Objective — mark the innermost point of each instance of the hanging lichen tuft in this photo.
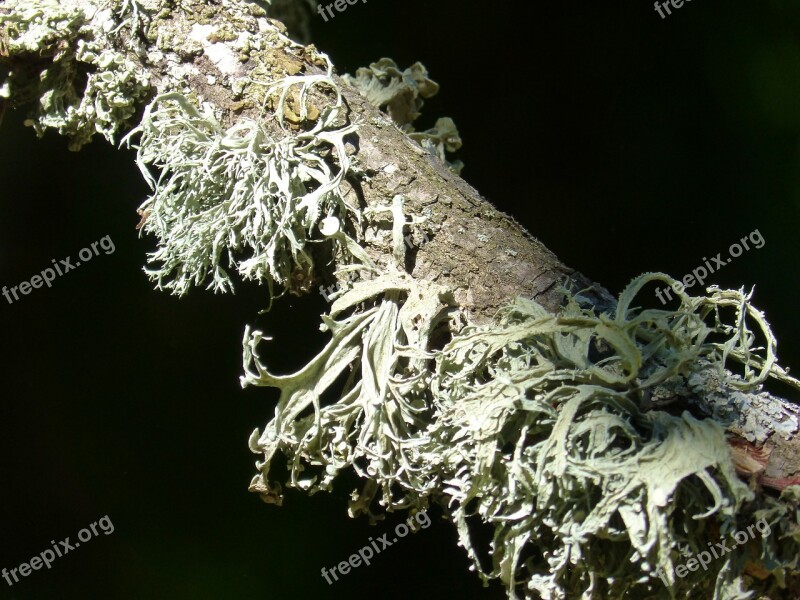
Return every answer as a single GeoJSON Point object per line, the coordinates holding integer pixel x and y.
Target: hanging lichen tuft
{"type": "Point", "coordinates": [537, 427]}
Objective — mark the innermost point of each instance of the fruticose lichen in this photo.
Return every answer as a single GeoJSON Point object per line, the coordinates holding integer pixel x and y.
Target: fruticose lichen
{"type": "Point", "coordinates": [379, 413]}
{"type": "Point", "coordinates": [85, 87]}
{"type": "Point", "coordinates": [534, 426]}
{"type": "Point", "coordinates": [241, 196]}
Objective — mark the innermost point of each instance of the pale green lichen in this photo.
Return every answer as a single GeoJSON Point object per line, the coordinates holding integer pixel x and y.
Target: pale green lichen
{"type": "Point", "coordinates": [241, 198]}
{"type": "Point", "coordinates": [533, 426]}
{"type": "Point", "coordinates": [780, 551]}
{"type": "Point", "coordinates": [401, 94]}
{"type": "Point", "coordinates": [378, 416]}
{"type": "Point", "coordinates": [86, 87]}
{"type": "Point", "coordinates": [439, 140]}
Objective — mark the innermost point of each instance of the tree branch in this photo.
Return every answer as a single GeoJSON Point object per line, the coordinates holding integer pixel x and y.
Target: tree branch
{"type": "Point", "coordinates": [263, 161]}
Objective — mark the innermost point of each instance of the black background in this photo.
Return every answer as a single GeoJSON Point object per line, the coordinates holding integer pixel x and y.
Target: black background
{"type": "Point", "coordinates": [625, 142]}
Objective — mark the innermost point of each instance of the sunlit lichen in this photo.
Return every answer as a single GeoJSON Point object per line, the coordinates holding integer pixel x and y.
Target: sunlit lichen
{"type": "Point", "coordinates": [378, 415]}
{"type": "Point", "coordinates": [537, 426]}
{"type": "Point", "coordinates": [401, 94]}
{"type": "Point", "coordinates": [240, 198]}
{"type": "Point", "coordinates": [86, 87]}
{"type": "Point", "coordinates": [439, 140]}
{"type": "Point", "coordinates": [534, 426]}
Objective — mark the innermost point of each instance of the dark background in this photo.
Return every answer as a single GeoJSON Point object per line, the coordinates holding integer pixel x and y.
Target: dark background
{"type": "Point", "coordinates": [625, 142]}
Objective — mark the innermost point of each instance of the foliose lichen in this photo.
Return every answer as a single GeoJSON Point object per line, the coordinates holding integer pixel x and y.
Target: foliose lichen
{"type": "Point", "coordinates": [402, 94]}
{"type": "Point", "coordinates": [84, 86]}
{"type": "Point", "coordinates": [439, 141]}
